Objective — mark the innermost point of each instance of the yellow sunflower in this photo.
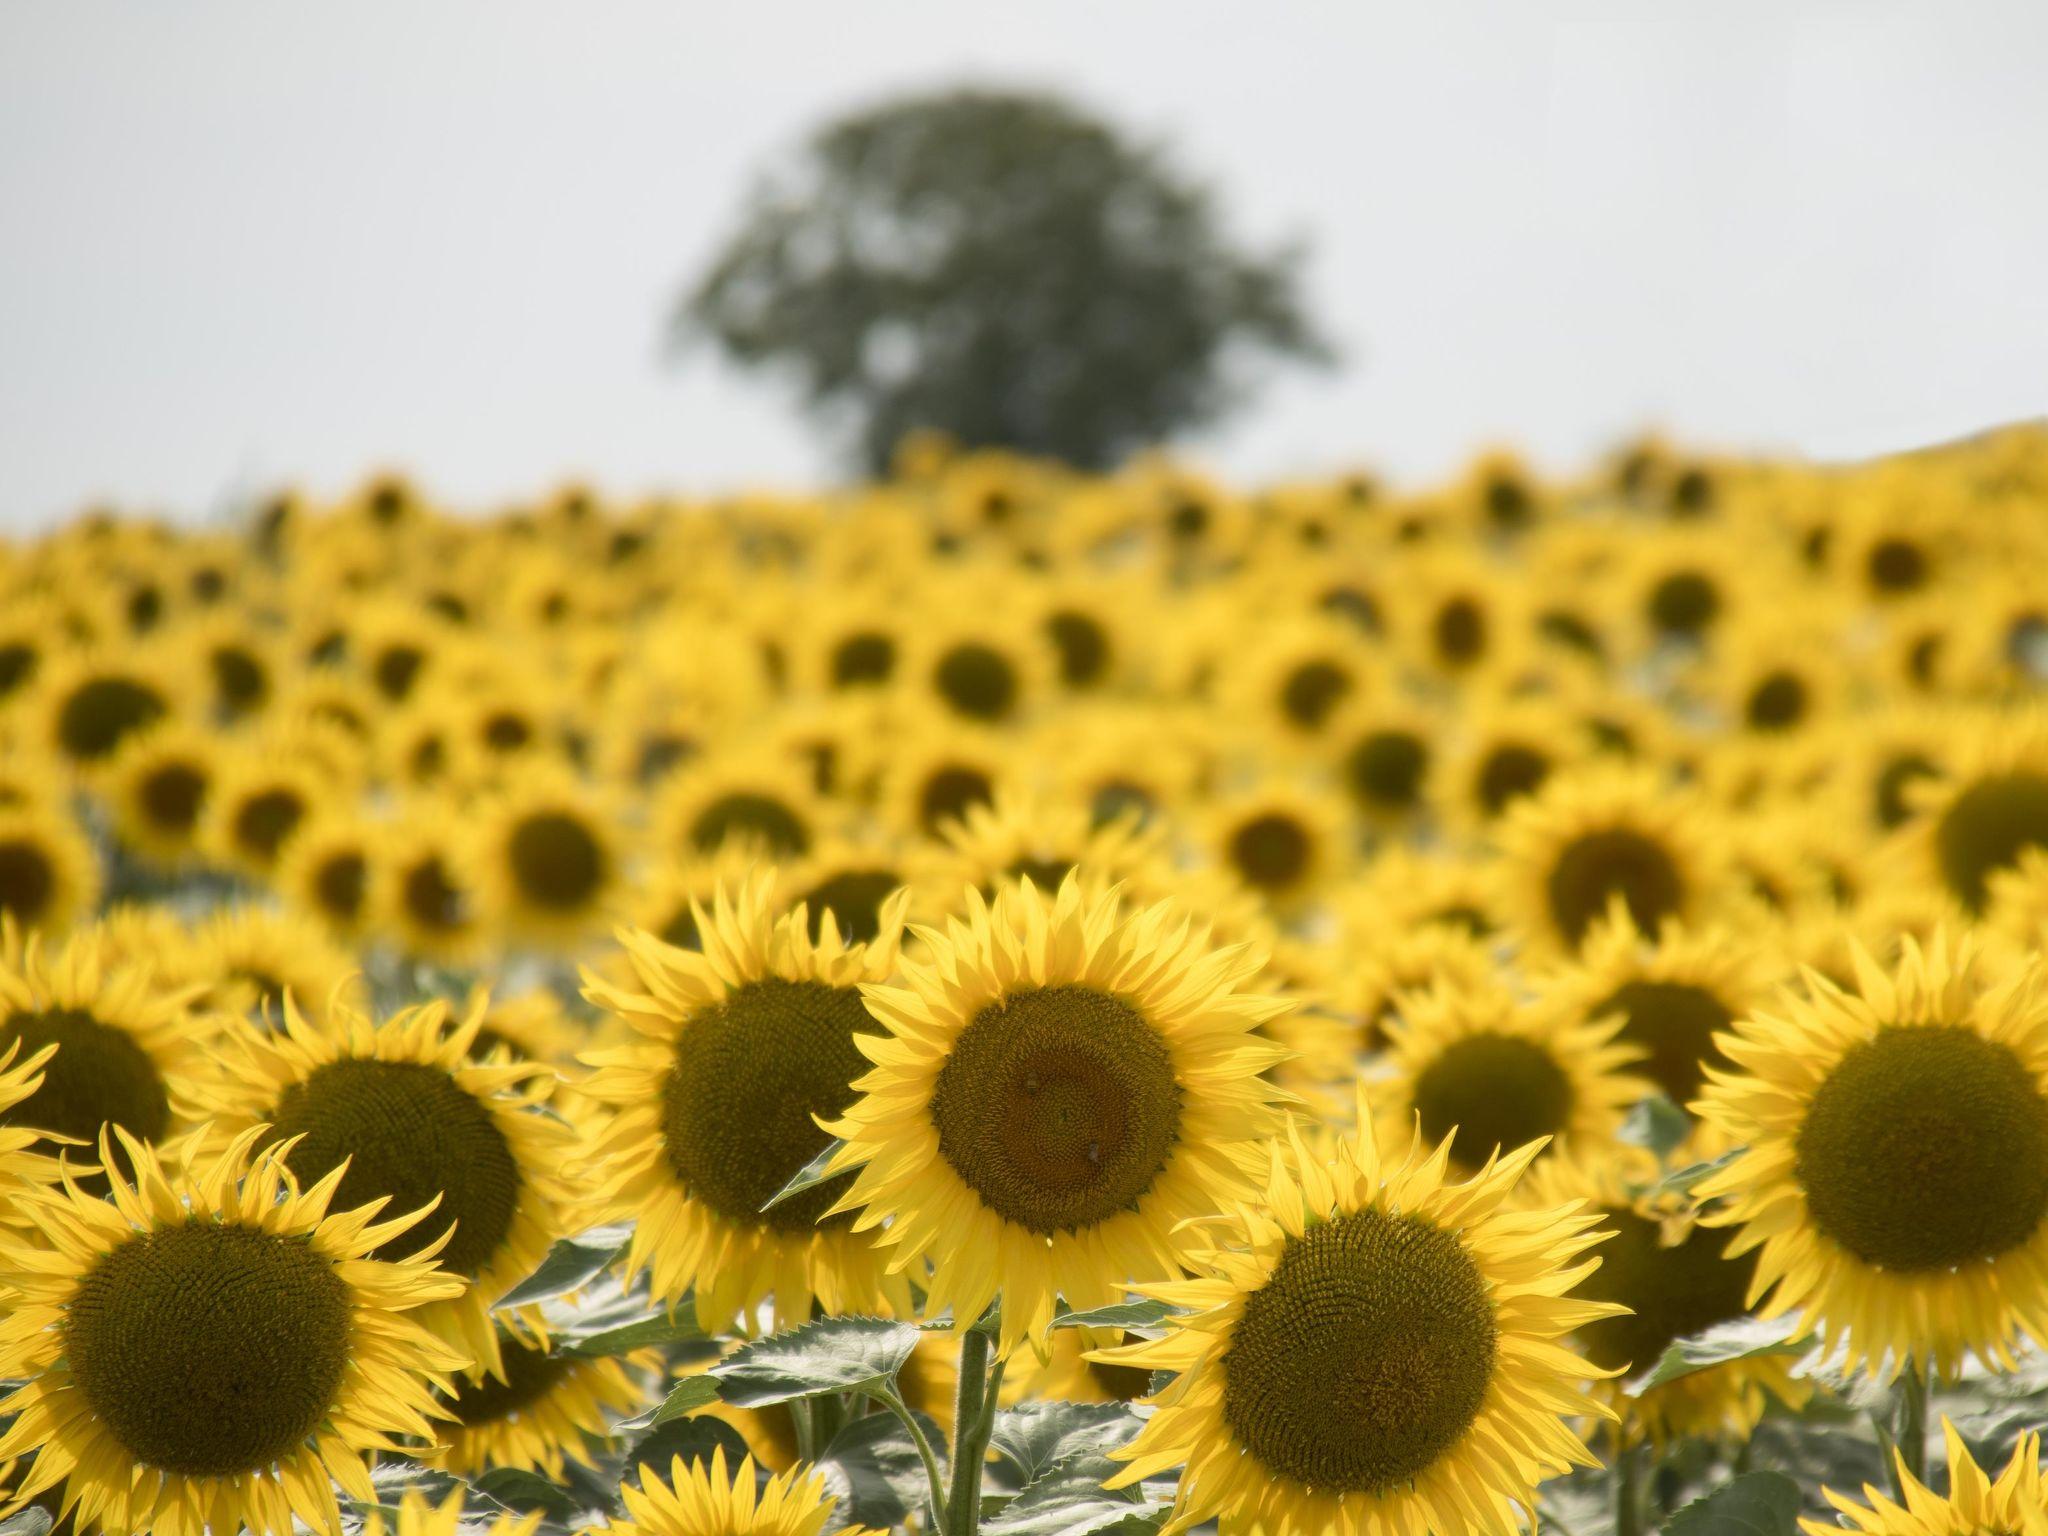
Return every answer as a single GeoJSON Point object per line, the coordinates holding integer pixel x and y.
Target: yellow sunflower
{"type": "Point", "coordinates": [158, 784]}
{"type": "Point", "coordinates": [416, 1517]}
{"type": "Point", "coordinates": [851, 880]}
{"type": "Point", "coordinates": [551, 855]}
{"type": "Point", "coordinates": [711, 1108]}
{"type": "Point", "coordinates": [1484, 1065]}
{"type": "Point", "coordinates": [1025, 835]}
{"type": "Point", "coordinates": [2014, 1505]}
{"type": "Point", "coordinates": [707, 1500]}
{"type": "Point", "coordinates": [93, 702]}
{"type": "Point", "coordinates": [1373, 1352]}
{"type": "Point", "coordinates": [21, 1078]}
{"type": "Point", "coordinates": [1062, 1082]}
{"type": "Point", "coordinates": [260, 796]}
{"type": "Point", "coordinates": [541, 1410]}
{"type": "Point", "coordinates": [1389, 754]}
{"type": "Point", "coordinates": [213, 1350]}
{"type": "Point", "coordinates": [49, 872]}
{"type": "Point", "coordinates": [1284, 839]}
{"type": "Point", "coordinates": [128, 1044]}
{"type": "Point", "coordinates": [1895, 1171]}
{"type": "Point", "coordinates": [246, 958]}
{"type": "Point", "coordinates": [426, 891]}
{"type": "Point", "coordinates": [1990, 808]}
{"type": "Point", "coordinates": [417, 1120]}
{"type": "Point", "coordinates": [741, 796]}
{"type": "Point", "coordinates": [326, 871]}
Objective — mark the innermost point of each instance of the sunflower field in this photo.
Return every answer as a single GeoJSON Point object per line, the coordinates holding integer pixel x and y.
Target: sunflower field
{"type": "Point", "coordinates": [1010, 1002]}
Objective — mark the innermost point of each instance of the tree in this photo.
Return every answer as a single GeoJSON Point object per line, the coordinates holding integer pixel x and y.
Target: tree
{"type": "Point", "coordinates": [1000, 268]}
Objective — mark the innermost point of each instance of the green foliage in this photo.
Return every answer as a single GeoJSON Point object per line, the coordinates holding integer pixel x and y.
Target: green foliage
{"type": "Point", "coordinates": [832, 1354]}
{"type": "Point", "coordinates": [1001, 268]}
{"type": "Point", "coordinates": [1754, 1504]}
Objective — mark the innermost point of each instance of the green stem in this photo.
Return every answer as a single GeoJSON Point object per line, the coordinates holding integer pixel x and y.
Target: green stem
{"type": "Point", "coordinates": [1628, 1502]}
{"type": "Point", "coordinates": [970, 1435]}
{"type": "Point", "coordinates": [934, 1480]}
{"type": "Point", "coordinates": [806, 1438]}
{"type": "Point", "coordinates": [1912, 1431]}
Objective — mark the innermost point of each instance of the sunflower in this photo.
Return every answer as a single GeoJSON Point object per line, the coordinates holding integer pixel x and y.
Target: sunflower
{"type": "Point", "coordinates": [852, 880]}
{"type": "Point", "coordinates": [706, 1500]}
{"type": "Point", "coordinates": [2016, 1503]}
{"type": "Point", "coordinates": [128, 1045]}
{"type": "Point", "coordinates": [49, 872]}
{"type": "Point", "coordinates": [1068, 1373]}
{"type": "Point", "coordinates": [1093, 624]}
{"type": "Point", "coordinates": [1061, 1084]}
{"type": "Point", "coordinates": [855, 644]}
{"type": "Point", "coordinates": [1989, 810]}
{"type": "Point", "coordinates": [1294, 680]}
{"type": "Point", "coordinates": [327, 871]}
{"type": "Point", "coordinates": [1027, 836]}
{"type": "Point", "coordinates": [1373, 1351]}
{"type": "Point", "coordinates": [21, 1078]}
{"type": "Point", "coordinates": [1777, 678]}
{"type": "Point", "coordinates": [1510, 750]}
{"type": "Point", "coordinates": [260, 796]}
{"type": "Point", "coordinates": [1682, 587]}
{"type": "Point", "coordinates": [712, 1105]}
{"type": "Point", "coordinates": [426, 890]}
{"type": "Point", "coordinates": [416, 1120]}
{"type": "Point", "coordinates": [238, 663]}
{"type": "Point", "coordinates": [246, 958]}
{"type": "Point", "coordinates": [550, 854]}
{"type": "Point", "coordinates": [1388, 961]}
{"type": "Point", "coordinates": [1129, 758]}
{"type": "Point", "coordinates": [1460, 616]}
{"type": "Point", "coordinates": [664, 902]}
{"type": "Point", "coordinates": [213, 1349]}
{"type": "Point", "coordinates": [93, 703]}
{"type": "Point", "coordinates": [741, 796]}
{"type": "Point", "coordinates": [1673, 1278]}
{"type": "Point", "coordinates": [939, 769]}
{"type": "Point", "coordinates": [1280, 837]}
{"type": "Point", "coordinates": [975, 665]}
{"type": "Point", "coordinates": [416, 1517]}
{"type": "Point", "coordinates": [157, 786]}
{"type": "Point", "coordinates": [538, 1410]}
{"type": "Point", "coordinates": [1484, 1065]}
{"type": "Point", "coordinates": [1389, 753]}
{"type": "Point", "coordinates": [1674, 992]}
{"type": "Point", "coordinates": [1600, 832]}
{"type": "Point", "coordinates": [1895, 1175]}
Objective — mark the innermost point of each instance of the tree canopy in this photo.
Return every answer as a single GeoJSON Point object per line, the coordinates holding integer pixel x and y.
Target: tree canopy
{"type": "Point", "coordinates": [1001, 268]}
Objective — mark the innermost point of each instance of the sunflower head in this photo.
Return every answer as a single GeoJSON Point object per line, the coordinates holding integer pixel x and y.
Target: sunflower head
{"type": "Point", "coordinates": [2015, 1501]}
{"type": "Point", "coordinates": [1372, 1350]}
{"type": "Point", "coordinates": [705, 1499]}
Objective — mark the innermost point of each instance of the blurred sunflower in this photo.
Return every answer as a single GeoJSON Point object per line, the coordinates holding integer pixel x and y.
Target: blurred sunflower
{"type": "Point", "coordinates": [49, 870]}
{"type": "Point", "coordinates": [426, 889]}
{"type": "Point", "coordinates": [1060, 1084]}
{"type": "Point", "coordinates": [741, 1050]}
{"type": "Point", "coordinates": [246, 958]}
{"type": "Point", "coordinates": [1281, 838]}
{"type": "Point", "coordinates": [213, 1349]}
{"type": "Point", "coordinates": [1990, 808]}
{"type": "Point", "coordinates": [537, 1411]}
{"type": "Point", "coordinates": [326, 870]}
{"type": "Point", "coordinates": [158, 786]}
{"type": "Point", "coordinates": [416, 1517]}
{"type": "Point", "coordinates": [550, 855]}
{"type": "Point", "coordinates": [743, 796]}
{"type": "Point", "coordinates": [1372, 1350]}
{"type": "Point", "coordinates": [2015, 1502]}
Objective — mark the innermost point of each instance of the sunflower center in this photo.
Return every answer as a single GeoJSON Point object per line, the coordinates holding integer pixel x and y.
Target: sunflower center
{"type": "Point", "coordinates": [863, 658]}
{"type": "Point", "coordinates": [1365, 1357]}
{"type": "Point", "coordinates": [99, 1076]}
{"type": "Point", "coordinates": [339, 884]}
{"type": "Point", "coordinates": [238, 679]}
{"type": "Point", "coordinates": [411, 1132]}
{"type": "Point", "coordinates": [746, 814]}
{"type": "Point", "coordinates": [530, 1374]}
{"type": "Point", "coordinates": [506, 732]}
{"type": "Point", "coordinates": [1270, 851]}
{"type": "Point", "coordinates": [27, 882]}
{"type": "Point", "coordinates": [977, 680]}
{"type": "Point", "coordinates": [1897, 565]}
{"type": "Point", "coordinates": [1059, 1107]}
{"type": "Point", "coordinates": [210, 1350]}
{"type": "Point", "coordinates": [1311, 691]}
{"type": "Point", "coordinates": [854, 897]}
{"type": "Point", "coordinates": [1613, 861]}
{"type": "Point", "coordinates": [1385, 769]}
{"type": "Point", "coordinates": [556, 862]}
{"type": "Point", "coordinates": [950, 793]}
{"type": "Point", "coordinates": [1498, 1092]}
{"type": "Point", "coordinates": [1684, 603]}
{"type": "Point", "coordinates": [1509, 772]}
{"type": "Point", "coordinates": [749, 1074]}
{"type": "Point", "coordinates": [396, 669]}
{"type": "Point", "coordinates": [1674, 1022]}
{"type": "Point", "coordinates": [102, 712]}
{"type": "Point", "coordinates": [17, 661]}
{"type": "Point", "coordinates": [1460, 631]}
{"type": "Point", "coordinates": [1926, 1147]}
{"type": "Point", "coordinates": [1987, 828]}
{"type": "Point", "coordinates": [1673, 1292]}
{"type": "Point", "coordinates": [432, 900]}
{"type": "Point", "coordinates": [170, 796]}
{"type": "Point", "coordinates": [1894, 784]}
{"type": "Point", "coordinates": [265, 820]}
{"type": "Point", "coordinates": [1776, 704]}
{"type": "Point", "coordinates": [1082, 646]}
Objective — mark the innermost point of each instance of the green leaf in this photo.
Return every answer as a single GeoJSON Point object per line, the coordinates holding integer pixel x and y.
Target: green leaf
{"type": "Point", "coordinates": [664, 1328]}
{"type": "Point", "coordinates": [830, 1354]}
{"type": "Point", "coordinates": [1070, 1500]}
{"type": "Point", "coordinates": [522, 1490]}
{"type": "Point", "coordinates": [694, 1440]}
{"type": "Point", "coordinates": [571, 1264]}
{"type": "Point", "coordinates": [686, 1397]}
{"type": "Point", "coordinates": [1745, 1338]}
{"type": "Point", "coordinates": [1658, 1124]}
{"type": "Point", "coordinates": [1679, 1181]}
{"type": "Point", "coordinates": [875, 1470]}
{"type": "Point", "coordinates": [32, 1521]}
{"type": "Point", "coordinates": [810, 1176]}
{"type": "Point", "coordinates": [1123, 1314]}
{"type": "Point", "coordinates": [1036, 1437]}
{"type": "Point", "coordinates": [1754, 1504]}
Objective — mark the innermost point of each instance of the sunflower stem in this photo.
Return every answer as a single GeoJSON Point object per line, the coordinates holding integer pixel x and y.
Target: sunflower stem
{"type": "Point", "coordinates": [970, 1435]}
{"type": "Point", "coordinates": [1912, 1422]}
{"type": "Point", "coordinates": [934, 1479]}
{"type": "Point", "coordinates": [1628, 1500]}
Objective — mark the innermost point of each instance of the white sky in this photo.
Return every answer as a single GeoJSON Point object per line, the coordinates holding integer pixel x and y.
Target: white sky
{"type": "Point", "coordinates": [247, 242]}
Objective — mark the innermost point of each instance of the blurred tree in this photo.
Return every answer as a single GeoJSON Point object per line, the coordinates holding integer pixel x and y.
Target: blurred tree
{"type": "Point", "coordinates": [1000, 268]}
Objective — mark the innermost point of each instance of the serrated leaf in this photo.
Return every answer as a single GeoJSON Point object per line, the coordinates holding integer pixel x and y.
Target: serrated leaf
{"type": "Point", "coordinates": [1036, 1437]}
{"type": "Point", "coordinates": [571, 1264]}
{"type": "Point", "coordinates": [876, 1470]}
{"type": "Point", "coordinates": [1754, 1504]}
{"type": "Point", "coordinates": [1070, 1500]}
{"type": "Point", "coordinates": [694, 1440]}
{"type": "Point", "coordinates": [1744, 1338]}
{"type": "Point", "coordinates": [648, 1333]}
{"type": "Point", "coordinates": [686, 1397]}
{"type": "Point", "coordinates": [33, 1521]}
{"type": "Point", "coordinates": [518, 1489]}
{"type": "Point", "coordinates": [1658, 1124]}
{"type": "Point", "coordinates": [810, 1176]}
{"type": "Point", "coordinates": [830, 1354]}
{"type": "Point", "coordinates": [1123, 1314]}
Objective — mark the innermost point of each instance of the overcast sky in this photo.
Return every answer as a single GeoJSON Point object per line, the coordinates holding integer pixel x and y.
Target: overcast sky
{"type": "Point", "coordinates": [242, 243]}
